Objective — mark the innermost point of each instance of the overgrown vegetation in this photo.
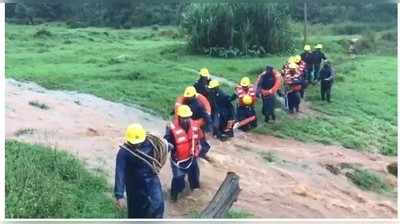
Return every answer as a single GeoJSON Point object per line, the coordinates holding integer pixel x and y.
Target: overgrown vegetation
{"type": "Point", "coordinates": [368, 180]}
{"type": "Point", "coordinates": [45, 183]}
{"type": "Point", "coordinates": [117, 14]}
{"type": "Point", "coordinates": [24, 131]}
{"type": "Point", "coordinates": [237, 29]}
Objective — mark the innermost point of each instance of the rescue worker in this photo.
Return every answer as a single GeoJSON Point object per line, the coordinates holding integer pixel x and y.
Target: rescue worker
{"type": "Point", "coordinates": [306, 56]}
{"type": "Point", "coordinates": [268, 83]}
{"type": "Point", "coordinates": [293, 81]}
{"type": "Point", "coordinates": [222, 111]}
{"type": "Point", "coordinates": [201, 85]}
{"type": "Point", "coordinates": [142, 184]}
{"type": "Point", "coordinates": [317, 57]}
{"type": "Point", "coordinates": [301, 70]}
{"type": "Point", "coordinates": [327, 75]}
{"type": "Point", "coordinates": [245, 112]}
{"type": "Point", "coordinates": [183, 134]}
{"type": "Point", "coordinates": [201, 110]}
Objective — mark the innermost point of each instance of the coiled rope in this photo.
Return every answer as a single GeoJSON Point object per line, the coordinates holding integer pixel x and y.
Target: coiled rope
{"type": "Point", "coordinates": [160, 153]}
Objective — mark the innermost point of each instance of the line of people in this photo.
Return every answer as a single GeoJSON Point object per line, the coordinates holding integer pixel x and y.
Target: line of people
{"type": "Point", "coordinates": [206, 108]}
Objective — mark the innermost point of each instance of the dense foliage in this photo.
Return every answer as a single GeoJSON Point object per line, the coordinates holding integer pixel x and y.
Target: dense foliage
{"type": "Point", "coordinates": [231, 29]}
{"type": "Point", "coordinates": [126, 13]}
{"type": "Point", "coordinates": [322, 11]}
{"type": "Point", "coordinates": [117, 14]}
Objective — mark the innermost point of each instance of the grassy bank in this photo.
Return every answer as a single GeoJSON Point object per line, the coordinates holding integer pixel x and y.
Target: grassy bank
{"type": "Point", "coordinates": [150, 67]}
{"type": "Point", "coordinates": [44, 183]}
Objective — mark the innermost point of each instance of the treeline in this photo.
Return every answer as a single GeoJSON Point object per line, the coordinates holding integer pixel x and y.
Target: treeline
{"type": "Point", "coordinates": [130, 13]}
{"type": "Point", "coordinates": [323, 11]}
{"type": "Point", "coordinates": [117, 14]}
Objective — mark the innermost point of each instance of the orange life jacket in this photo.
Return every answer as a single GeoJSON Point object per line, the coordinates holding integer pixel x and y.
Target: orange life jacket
{"type": "Point", "coordinates": [241, 92]}
{"type": "Point", "coordinates": [186, 144]}
{"type": "Point", "coordinates": [201, 99]}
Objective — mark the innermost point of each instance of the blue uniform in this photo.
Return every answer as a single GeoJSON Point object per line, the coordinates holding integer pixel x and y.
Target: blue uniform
{"type": "Point", "coordinates": [267, 81]}
{"type": "Point", "coordinates": [326, 76]}
{"type": "Point", "coordinates": [189, 168]}
{"type": "Point", "coordinates": [317, 57]}
{"type": "Point", "coordinates": [143, 187]}
{"type": "Point", "coordinates": [222, 110]}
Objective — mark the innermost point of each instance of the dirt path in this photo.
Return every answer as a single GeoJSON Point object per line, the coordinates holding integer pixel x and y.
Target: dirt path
{"type": "Point", "coordinates": [295, 185]}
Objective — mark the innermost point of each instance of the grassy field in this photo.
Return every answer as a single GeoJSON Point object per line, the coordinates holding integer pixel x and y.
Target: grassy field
{"type": "Point", "coordinates": [150, 67]}
{"type": "Point", "coordinates": [45, 183]}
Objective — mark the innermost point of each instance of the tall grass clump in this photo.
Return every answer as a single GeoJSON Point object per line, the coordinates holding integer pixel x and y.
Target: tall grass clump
{"type": "Point", "coordinates": [236, 29]}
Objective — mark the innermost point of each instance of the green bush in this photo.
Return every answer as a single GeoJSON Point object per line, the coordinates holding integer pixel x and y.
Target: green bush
{"type": "Point", "coordinates": [236, 29]}
{"type": "Point", "coordinates": [42, 33]}
{"type": "Point", "coordinates": [44, 183]}
{"type": "Point", "coordinates": [368, 180]}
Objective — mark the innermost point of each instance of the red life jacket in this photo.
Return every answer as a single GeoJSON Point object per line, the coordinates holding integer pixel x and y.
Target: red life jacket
{"type": "Point", "coordinates": [302, 67]}
{"type": "Point", "coordinates": [289, 81]}
{"type": "Point", "coordinates": [186, 144]}
{"type": "Point", "coordinates": [241, 92]}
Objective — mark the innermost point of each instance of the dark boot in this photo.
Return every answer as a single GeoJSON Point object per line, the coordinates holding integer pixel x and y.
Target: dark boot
{"type": "Point", "coordinates": [174, 196]}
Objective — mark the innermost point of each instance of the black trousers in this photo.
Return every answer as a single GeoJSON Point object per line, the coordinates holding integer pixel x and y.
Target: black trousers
{"type": "Point", "coordinates": [316, 71]}
{"type": "Point", "coordinates": [293, 101]}
{"type": "Point", "coordinates": [268, 107]}
{"type": "Point", "coordinates": [326, 90]}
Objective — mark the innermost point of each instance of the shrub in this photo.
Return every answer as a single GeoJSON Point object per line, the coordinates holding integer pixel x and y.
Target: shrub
{"type": "Point", "coordinates": [236, 29]}
{"type": "Point", "coordinates": [42, 33]}
{"type": "Point", "coordinates": [368, 180]}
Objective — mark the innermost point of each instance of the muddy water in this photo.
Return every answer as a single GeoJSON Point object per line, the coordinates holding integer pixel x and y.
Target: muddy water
{"type": "Point", "coordinates": [296, 185]}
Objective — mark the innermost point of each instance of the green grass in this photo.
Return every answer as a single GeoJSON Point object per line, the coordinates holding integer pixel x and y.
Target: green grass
{"type": "Point", "coordinates": [151, 68]}
{"type": "Point", "coordinates": [238, 214]}
{"type": "Point", "coordinates": [368, 180]}
{"type": "Point", "coordinates": [44, 183]}
{"type": "Point", "coordinates": [233, 213]}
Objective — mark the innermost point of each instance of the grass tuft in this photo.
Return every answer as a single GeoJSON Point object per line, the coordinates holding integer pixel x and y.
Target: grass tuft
{"type": "Point", "coordinates": [368, 180]}
{"type": "Point", "coordinates": [37, 104]}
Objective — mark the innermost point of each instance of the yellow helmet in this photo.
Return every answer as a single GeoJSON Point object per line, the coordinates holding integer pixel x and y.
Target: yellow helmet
{"type": "Point", "coordinates": [297, 58]}
{"type": "Point", "coordinates": [291, 59]}
{"type": "Point", "coordinates": [204, 72]}
{"type": "Point", "coordinates": [307, 47]}
{"type": "Point", "coordinates": [292, 66]}
{"type": "Point", "coordinates": [247, 100]}
{"type": "Point", "coordinates": [184, 111]}
{"type": "Point", "coordinates": [213, 84]}
{"type": "Point", "coordinates": [135, 134]}
{"type": "Point", "coordinates": [318, 46]}
{"type": "Point", "coordinates": [190, 91]}
{"type": "Point", "coordinates": [245, 81]}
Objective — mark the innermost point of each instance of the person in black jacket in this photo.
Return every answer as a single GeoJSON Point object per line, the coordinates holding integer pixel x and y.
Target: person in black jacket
{"type": "Point", "coordinates": [327, 75]}
{"type": "Point", "coordinates": [142, 184]}
{"type": "Point", "coordinates": [317, 57]}
{"type": "Point", "coordinates": [268, 83]}
{"type": "Point", "coordinates": [202, 83]}
{"type": "Point", "coordinates": [222, 111]}
{"type": "Point", "coordinates": [306, 56]}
